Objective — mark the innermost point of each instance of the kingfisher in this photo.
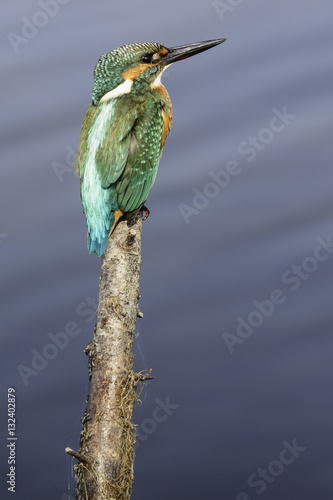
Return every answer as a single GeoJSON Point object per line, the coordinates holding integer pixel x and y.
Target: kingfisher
{"type": "Point", "coordinates": [124, 131]}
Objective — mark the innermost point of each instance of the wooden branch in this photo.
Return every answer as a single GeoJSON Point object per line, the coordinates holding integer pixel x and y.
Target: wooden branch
{"type": "Point", "coordinates": [105, 460]}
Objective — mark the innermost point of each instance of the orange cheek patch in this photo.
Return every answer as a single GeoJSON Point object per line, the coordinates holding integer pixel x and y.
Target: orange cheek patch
{"type": "Point", "coordinates": [134, 73]}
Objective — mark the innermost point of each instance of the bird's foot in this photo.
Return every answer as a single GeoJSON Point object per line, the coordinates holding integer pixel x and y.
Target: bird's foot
{"type": "Point", "coordinates": [133, 216]}
{"type": "Point", "coordinates": [146, 211]}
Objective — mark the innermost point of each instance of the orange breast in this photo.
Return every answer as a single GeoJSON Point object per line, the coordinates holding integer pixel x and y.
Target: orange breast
{"type": "Point", "coordinates": [166, 113]}
{"type": "Point", "coordinates": [167, 120]}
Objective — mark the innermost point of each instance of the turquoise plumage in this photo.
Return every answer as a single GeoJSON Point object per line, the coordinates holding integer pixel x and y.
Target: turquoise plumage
{"type": "Point", "coordinates": [124, 132]}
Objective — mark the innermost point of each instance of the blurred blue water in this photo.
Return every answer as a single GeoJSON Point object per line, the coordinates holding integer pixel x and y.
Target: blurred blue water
{"type": "Point", "coordinates": [236, 409]}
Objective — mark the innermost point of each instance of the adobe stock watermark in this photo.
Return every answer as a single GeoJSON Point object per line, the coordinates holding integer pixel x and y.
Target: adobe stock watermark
{"type": "Point", "coordinates": [68, 166]}
{"type": "Point", "coordinates": [222, 8]}
{"type": "Point", "coordinates": [57, 342]}
{"type": "Point", "coordinates": [262, 478]}
{"type": "Point", "coordinates": [148, 426]}
{"type": "Point", "coordinates": [291, 280]}
{"type": "Point", "coordinates": [31, 27]}
{"type": "Point", "coordinates": [249, 148]}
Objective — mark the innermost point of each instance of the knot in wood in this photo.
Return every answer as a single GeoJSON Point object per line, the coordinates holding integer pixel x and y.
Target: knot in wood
{"type": "Point", "coordinates": [131, 237]}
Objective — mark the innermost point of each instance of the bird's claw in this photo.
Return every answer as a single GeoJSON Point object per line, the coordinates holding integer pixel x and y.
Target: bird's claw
{"type": "Point", "coordinates": [146, 211]}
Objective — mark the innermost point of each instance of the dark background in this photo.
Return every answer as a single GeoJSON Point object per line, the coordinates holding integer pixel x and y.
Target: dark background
{"type": "Point", "coordinates": [236, 410]}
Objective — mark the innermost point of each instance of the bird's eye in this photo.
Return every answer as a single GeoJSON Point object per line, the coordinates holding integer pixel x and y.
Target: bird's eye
{"type": "Point", "coordinates": [147, 58]}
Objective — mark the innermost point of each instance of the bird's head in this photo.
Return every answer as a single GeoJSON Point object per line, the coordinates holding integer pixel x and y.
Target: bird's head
{"type": "Point", "coordinates": [136, 66]}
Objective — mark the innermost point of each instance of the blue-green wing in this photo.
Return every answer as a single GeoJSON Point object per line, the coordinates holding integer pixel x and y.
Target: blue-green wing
{"type": "Point", "coordinates": [113, 152]}
{"type": "Point", "coordinates": [144, 152]}
{"type": "Point", "coordinates": [120, 147]}
{"type": "Point", "coordinates": [127, 158]}
{"type": "Point", "coordinates": [103, 153]}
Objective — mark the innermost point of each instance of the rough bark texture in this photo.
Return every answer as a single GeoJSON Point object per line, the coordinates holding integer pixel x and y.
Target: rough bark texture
{"type": "Point", "coordinates": [105, 460]}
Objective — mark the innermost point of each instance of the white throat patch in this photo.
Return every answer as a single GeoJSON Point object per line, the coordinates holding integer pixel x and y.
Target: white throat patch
{"type": "Point", "coordinates": [123, 88]}
{"type": "Point", "coordinates": [157, 82]}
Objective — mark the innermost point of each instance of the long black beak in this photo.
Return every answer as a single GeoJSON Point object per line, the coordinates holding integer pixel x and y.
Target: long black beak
{"type": "Point", "coordinates": [185, 51]}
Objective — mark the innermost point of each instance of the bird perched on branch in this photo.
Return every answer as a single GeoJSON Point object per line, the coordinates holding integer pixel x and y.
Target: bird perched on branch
{"type": "Point", "coordinates": [124, 131]}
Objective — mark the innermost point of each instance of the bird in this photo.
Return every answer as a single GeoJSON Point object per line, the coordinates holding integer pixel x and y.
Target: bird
{"type": "Point", "coordinates": [124, 131]}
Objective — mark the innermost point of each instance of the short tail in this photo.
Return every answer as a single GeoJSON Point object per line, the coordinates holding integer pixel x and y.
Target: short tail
{"type": "Point", "coordinates": [97, 247]}
{"type": "Point", "coordinates": [98, 244]}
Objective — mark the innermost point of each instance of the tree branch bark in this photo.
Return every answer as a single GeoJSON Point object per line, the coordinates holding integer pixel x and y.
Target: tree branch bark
{"type": "Point", "coordinates": [106, 456]}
